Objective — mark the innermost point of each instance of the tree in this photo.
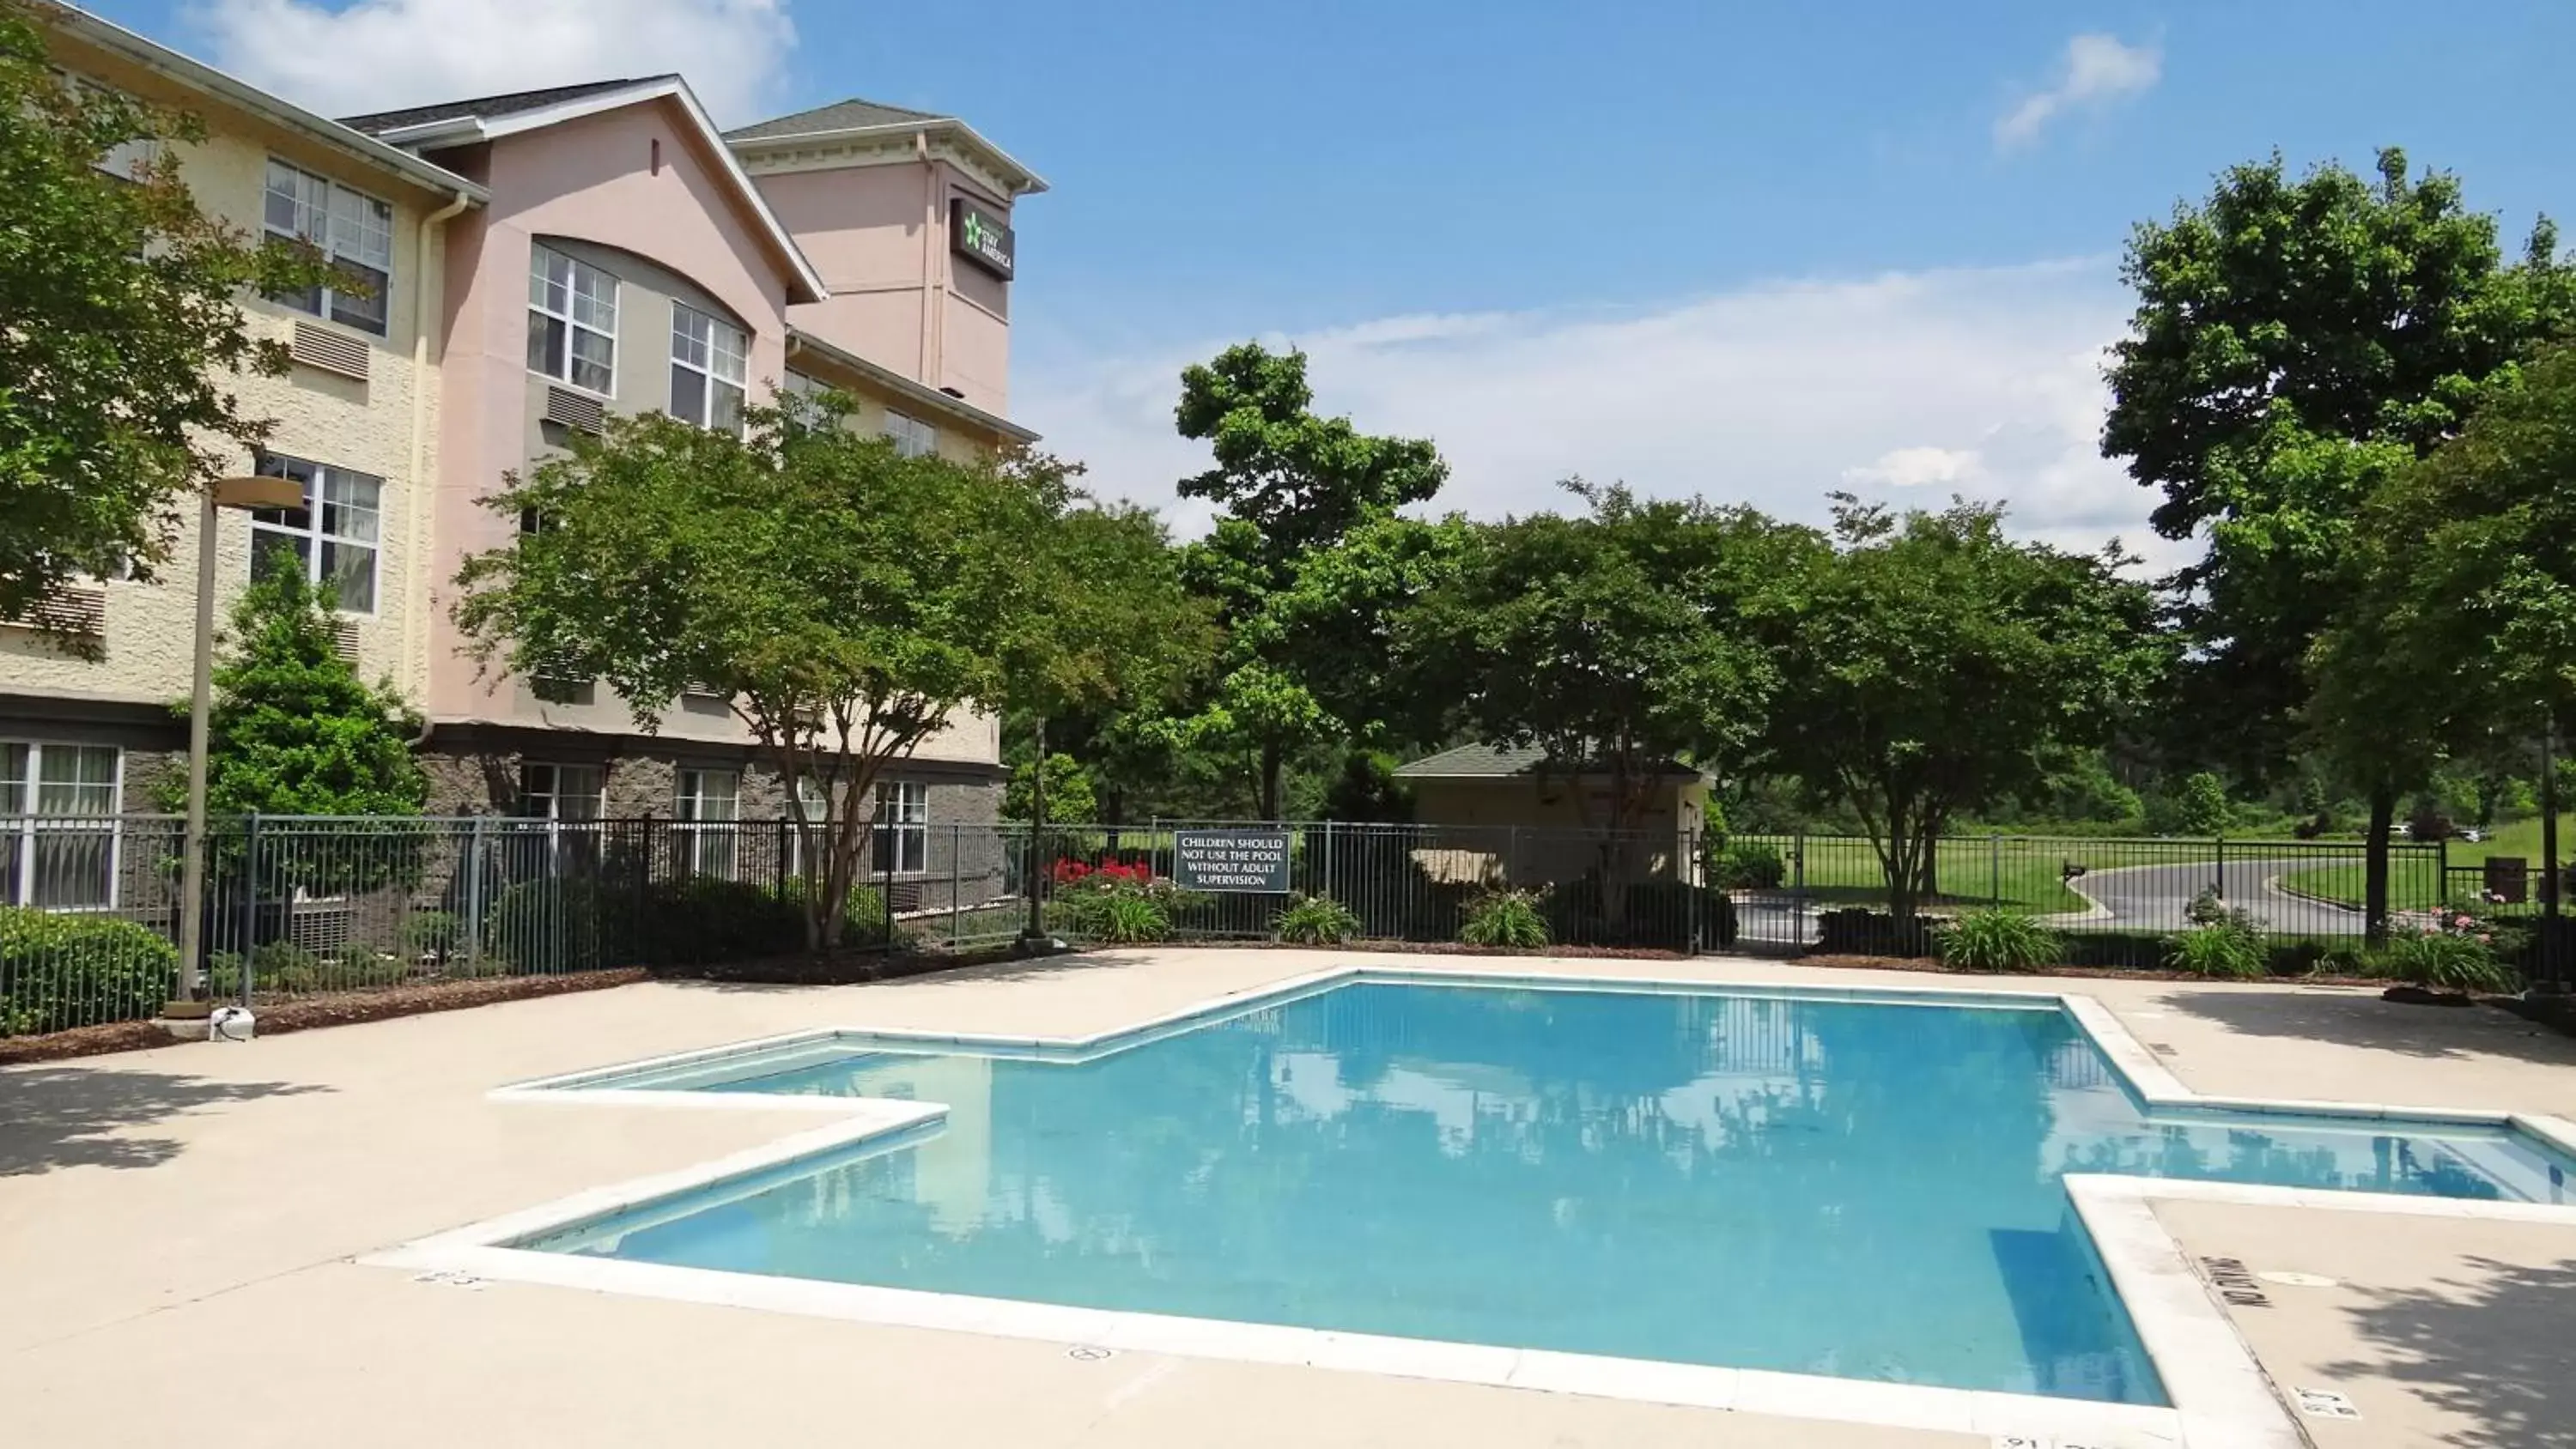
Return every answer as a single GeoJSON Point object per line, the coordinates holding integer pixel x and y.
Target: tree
{"type": "Point", "coordinates": [1932, 666]}
{"type": "Point", "coordinates": [1616, 642]}
{"type": "Point", "coordinates": [2467, 568]}
{"type": "Point", "coordinates": [119, 332]}
{"type": "Point", "coordinates": [1293, 486]}
{"type": "Point", "coordinates": [2203, 807]}
{"type": "Point", "coordinates": [2294, 342]}
{"type": "Point", "coordinates": [1069, 794]}
{"type": "Point", "coordinates": [292, 729]}
{"type": "Point", "coordinates": [849, 601]}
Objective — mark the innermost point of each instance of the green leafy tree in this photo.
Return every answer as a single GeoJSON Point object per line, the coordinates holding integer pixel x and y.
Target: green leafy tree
{"type": "Point", "coordinates": [2468, 574]}
{"type": "Point", "coordinates": [292, 729]}
{"type": "Point", "coordinates": [1932, 666]}
{"type": "Point", "coordinates": [1616, 641]}
{"type": "Point", "coordinates": [119, 331]}
{"type": "Point", "coordinates": [849, 601]}
{"type": "Point", "coordinates": [1069, 794]}
{"type": "Point", "coordinates": [2295, 342]}
{"type": "Point", "coordinates": [1292, 486]}
{"type": "Point", "coordinates": [2202, 808]}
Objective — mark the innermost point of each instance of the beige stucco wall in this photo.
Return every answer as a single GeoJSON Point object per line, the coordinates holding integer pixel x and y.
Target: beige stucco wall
{"type": "Point", "coordinates": [592, 181]}
{"type": "Point", "coordinates": [317, 415]}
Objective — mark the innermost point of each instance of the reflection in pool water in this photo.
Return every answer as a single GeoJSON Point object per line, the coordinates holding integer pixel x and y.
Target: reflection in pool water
{"type": "Point", "coordinates": [1836, 1187]}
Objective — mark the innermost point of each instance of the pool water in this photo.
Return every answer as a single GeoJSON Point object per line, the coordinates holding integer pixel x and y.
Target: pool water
{"type": "Point", "coordinates": [1839, 1187]}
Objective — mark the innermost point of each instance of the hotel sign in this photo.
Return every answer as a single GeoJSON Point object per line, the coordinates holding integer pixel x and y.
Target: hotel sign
{"type": "Point", "coordinates": [980, 237]}
{"type": "Point", "coordinates": [1250, 861]}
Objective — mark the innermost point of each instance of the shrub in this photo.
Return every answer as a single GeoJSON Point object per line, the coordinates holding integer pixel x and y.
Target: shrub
{"type": "Point", "coordinates": [1317, 921]}
{"type": "Point", "coordinates": [432, 933]}
{"type": "Point", "coordinates": [2454, 952]}
{"type": "Point", "coordinates": [62, 971]}
{"type": "Point", "coordinates": [1129, 920]}
{"type": "Point", "coordinates": [2221, 950]}
{"type": "Point", "coordinates": [1997, 939]}
{"type": "Point", "coordinates": [1509, 918]}
{"type": "Point", "coordinates": [1663, 913]}
{"type": "Point", "coordinates": [1749, 865]}
{"type": "Point", "coordinates": [1860, 931]}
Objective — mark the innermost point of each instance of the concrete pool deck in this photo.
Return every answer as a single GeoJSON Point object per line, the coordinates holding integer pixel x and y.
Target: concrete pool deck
{"type": "Point", "coordinates": [177, 1230]}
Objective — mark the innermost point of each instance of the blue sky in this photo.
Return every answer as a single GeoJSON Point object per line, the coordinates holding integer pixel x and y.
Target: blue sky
{"type": "Point", "coordinates": [1753, 251]}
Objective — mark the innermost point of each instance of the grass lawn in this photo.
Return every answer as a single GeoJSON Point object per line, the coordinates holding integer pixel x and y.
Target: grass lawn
{"type": "Point", "coordinates": [2414, 889]}
{"type": "Point", "coordinates": [1972, 871]}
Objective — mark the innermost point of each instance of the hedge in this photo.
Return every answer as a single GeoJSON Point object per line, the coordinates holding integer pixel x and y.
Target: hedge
{"type": "Point", "coordinates": [62, 971]}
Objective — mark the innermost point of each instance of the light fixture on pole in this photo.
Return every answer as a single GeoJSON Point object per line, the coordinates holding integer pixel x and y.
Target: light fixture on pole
{"type": "Point", "coordinates": [247, 492]}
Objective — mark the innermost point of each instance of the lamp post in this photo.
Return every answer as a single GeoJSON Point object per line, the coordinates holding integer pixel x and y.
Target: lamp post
{"type": "Point", "coordinates": [246, 492]}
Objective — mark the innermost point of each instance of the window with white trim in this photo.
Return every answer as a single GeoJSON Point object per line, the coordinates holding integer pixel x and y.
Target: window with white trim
{"type": "Point", "coordinates": [707, 804]}
{"type": "Point", "coordinates": [902, 827]}
{"type": "Point", "coordinates": [710, 359]}
{"type": "Point", "coordinates": [332, 539]}
{"type": "Point", "coordinates": [913, 438]}
{"type": "Point", "coordinates": [811, 794]}
{"type": "Point", "coordinates": [567, 798]}
{"type": "Point", "coordinates": [572, 321]}
{"type": "Point", "coordinates": [58, 835]}
{"type": "Point", "coordinates": [353, 231]}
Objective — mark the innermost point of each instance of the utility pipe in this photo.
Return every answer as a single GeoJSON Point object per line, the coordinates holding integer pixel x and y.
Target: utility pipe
{"type": "Point", "coordinates": [415, 653]}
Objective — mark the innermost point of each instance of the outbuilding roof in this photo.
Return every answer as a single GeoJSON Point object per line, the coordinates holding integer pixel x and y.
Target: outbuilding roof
{"type": "Point", "coordinates": [1496, 762]}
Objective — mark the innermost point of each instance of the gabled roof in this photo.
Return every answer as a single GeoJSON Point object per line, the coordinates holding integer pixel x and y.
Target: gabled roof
{"type": "Point", "coordinates": [858, 119]}
{"type": "Point", "coordinates": [462, 123]}
{"type": "Point", "coordinates": [803, 343]}
{"type": "Point", "coordinates": [198, 76]}
{"type": "Point", "coordinates": [1499, 762]}
{"type": "Point", "coordinates": [838, 116]}
{"type": "Point", "coordinates": [508, 104]}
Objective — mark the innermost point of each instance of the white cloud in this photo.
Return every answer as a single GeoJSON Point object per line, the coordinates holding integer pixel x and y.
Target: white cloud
{"type": "Point", "coordinates": [378, 55]}
{"type": "Point", "coordinates": [1772, 395]}
{"type": "Point", "coordinates": [1918, 468]}
{"type": "Point", "coordinates": [2098, 70]}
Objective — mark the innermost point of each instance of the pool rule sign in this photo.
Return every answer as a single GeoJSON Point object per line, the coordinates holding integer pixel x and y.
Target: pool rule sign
{"type": "Point", "coordinates": [1251, 862]}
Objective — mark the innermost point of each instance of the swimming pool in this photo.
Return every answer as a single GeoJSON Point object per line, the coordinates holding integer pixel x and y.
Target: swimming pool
{"type": "Point", "coordinates": [1856, 1188]}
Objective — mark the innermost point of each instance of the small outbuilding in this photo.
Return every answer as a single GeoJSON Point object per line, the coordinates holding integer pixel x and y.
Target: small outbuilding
{"type": "Point", "coordinates": [1494, 785]}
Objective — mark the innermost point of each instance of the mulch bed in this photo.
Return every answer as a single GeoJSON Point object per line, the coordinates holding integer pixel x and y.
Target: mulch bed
{"type": "Point", "coordinates": [306, 1012]}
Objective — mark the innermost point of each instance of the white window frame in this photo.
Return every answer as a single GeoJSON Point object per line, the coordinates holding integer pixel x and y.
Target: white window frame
{"type": "Point", "coordinates": [900, 829]}
{"type": "Point", "coordinates": [913, 438]}
{"type": "Point", "coordinates": [319, 480]}
{"type": "Point", "coordinates": [23, 822]}
{"type": "Point", "coordinates": [721, 358]}
{"type": "Point", "coordinates": [715, 853]}
{"type": "Point", "coordinates": [582, 845]}
{"type": "Point", "coordinates": [540, 304]}
{"type": "Point", "coordinates": [348, 226]}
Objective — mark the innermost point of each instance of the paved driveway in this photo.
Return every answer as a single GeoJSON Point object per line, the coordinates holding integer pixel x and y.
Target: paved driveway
{"type": "Point", "coordinates": [2158, 898]}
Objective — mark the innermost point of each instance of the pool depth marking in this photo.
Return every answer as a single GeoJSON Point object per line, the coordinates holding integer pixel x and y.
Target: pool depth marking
{"type": "Point", "coordinates": [2220, 1394]}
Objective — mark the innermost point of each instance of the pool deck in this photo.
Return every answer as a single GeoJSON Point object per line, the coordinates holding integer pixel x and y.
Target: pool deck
{"type": "Point", "coordinates": [179, 1230]}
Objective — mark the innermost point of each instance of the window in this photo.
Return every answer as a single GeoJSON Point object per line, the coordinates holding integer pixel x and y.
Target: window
{"type": "Point", "coordinates": [709, 360]}
{"type": "Point", "coordinates": [572, 321]}
{"type": "Point", "coordinates": [560, 792]}
{"type": "Point", "coordinates": [811, 795]}
{"type": "Point", "coordinates": [332, 538]}
{"type": "Point", "coordinates": [706, 806]}
{"type": "Point", "coordinates": [567, 799]}
{"type": "Point", "coordinates": [58, 837]}
{"type": "Point", "coordinates": [902, 827]}
{"type": "Point", "coordinates": [352, 230]}
{"type": "Point", "coordinates": [913, 438]}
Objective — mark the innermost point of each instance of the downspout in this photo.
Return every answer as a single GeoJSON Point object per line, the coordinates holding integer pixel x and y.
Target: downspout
{"type": "Point", "coordinates": [415, 527]}
{"type": "Point", "coordinates": [929, 253]}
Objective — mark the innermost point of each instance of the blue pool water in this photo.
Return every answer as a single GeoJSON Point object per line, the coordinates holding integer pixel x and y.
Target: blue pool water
{"type": "Point", "coordinates": [1821, 1186]}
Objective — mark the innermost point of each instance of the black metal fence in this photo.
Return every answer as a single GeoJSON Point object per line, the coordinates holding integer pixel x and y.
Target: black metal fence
{"type": "Point", "coordinates": [1413, 883]}
{"type": "Point", "coordinates": [90, 908]}
{"type": "Point", "coordinates": [2116, 899]}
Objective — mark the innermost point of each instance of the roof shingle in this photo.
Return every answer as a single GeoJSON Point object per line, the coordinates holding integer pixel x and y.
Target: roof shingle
{"type": "Point", "coordinates": [839, 116]}
{"type": "Point", "coordinates": [509, 104]}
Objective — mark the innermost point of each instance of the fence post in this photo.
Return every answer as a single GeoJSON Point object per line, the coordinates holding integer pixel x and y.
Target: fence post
{"type": "Point", "coordinates": [1512, 858]}
{"type": "Point", "coordinates": [2220, 885]}
{"type": "Point", "coordinates": [474, 895]}
{"type": "Point", "coordinates": [2442, 874]}
{"type": "Point", "coordinates": [956, 850]}
{"type": "Point", "coordinates": [250, 903]}
{"type": "Point", "coordinates": [1798, 890]}
{"type": "Point", "coordinates": [1994, 868]}
{"type": "Point", "coordinates": [1328, 861]}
